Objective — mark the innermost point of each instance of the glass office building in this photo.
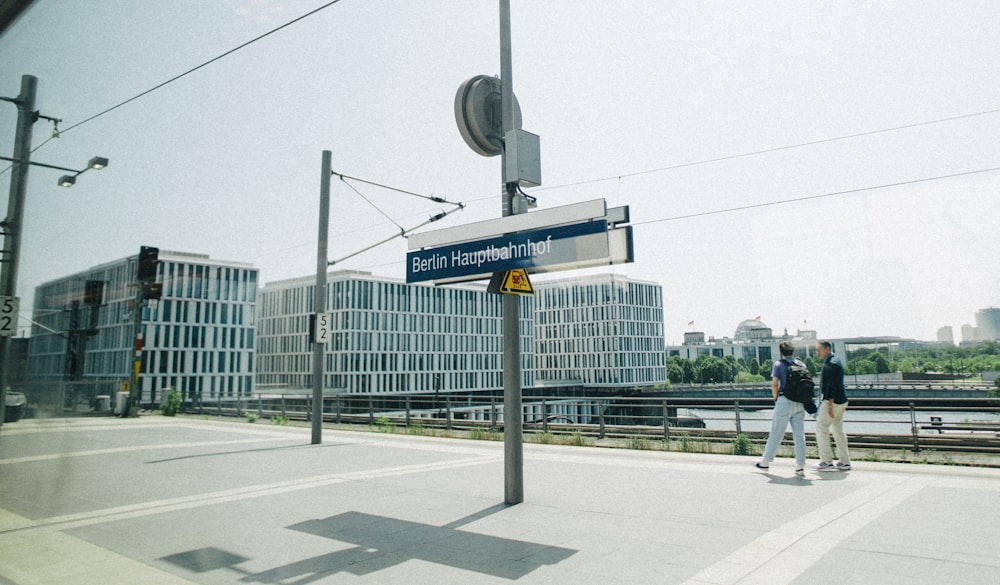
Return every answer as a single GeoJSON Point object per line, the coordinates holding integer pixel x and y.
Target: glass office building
{"type": "Point", "coordinates": [599, 331]}
{"type": "Point", "coordinates": [388, 336]}
{"type": "Point", "coordinates": [198, 338]}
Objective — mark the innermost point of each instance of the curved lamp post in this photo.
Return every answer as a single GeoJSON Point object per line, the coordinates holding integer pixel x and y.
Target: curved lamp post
{"type": "Point", "coordinates": [12, 224]}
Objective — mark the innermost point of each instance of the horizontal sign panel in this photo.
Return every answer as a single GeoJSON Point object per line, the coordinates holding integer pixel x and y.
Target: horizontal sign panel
{"type": "Point", "coordinates": [619, 247]}
{"type": "Point", "coordinates": [542, 250]}
{"type": "Point", "coordinates": [565, 214]}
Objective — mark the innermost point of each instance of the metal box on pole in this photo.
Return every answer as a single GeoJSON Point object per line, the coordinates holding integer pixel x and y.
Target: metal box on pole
{"type": "Point", "coordinates": [523, 158]}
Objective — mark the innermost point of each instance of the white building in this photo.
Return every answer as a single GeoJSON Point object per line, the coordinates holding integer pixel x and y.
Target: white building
{"type": "Point", "coordinates": [599, 331]}
{"type": "Point", "coordinates": [198, 338]}
{"type": "Point", "coordinates": [969, 334]}
{"type": "Point", "coordinates": [389, 336]}
{"type": "Point", "coordinates": [753, 340]}
{"type": "Point", "coordinates": [988, 324]}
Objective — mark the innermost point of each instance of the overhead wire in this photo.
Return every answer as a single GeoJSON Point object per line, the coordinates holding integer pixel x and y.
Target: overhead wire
{"type": "Point", "coordinates": [205, 64]}
{"type": "Point", "coordinates": [770, 150]}
{"type": "Point", "coordinates": [699, 214]}
{"type": "Point", "coordinates": [55, 134]}
{"type": "Point", "coordinates": [398, 190]}
{"type": "Point", "coordinates": [820, 196]}
{"type": "Point", "coordinates": [58, 132]}
{"type": "Point", "coordinates": [369, 202]}
{"type": "Point", "coordinates": [588, 181]}
{"type": "Point", "coordinates": [403, 232]}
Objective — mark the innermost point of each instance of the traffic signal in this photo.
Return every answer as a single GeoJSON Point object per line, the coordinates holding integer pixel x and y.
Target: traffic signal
{"type": "Point", "coordinates": [152, 291]}
{"type": "Point", "coordinates": [148, 260]}
{"type": "Point", "coordinates": [93, 293]}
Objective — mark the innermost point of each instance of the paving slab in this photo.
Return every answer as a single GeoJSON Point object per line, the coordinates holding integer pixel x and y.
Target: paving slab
{"type": "Point", "coordinates": [192, 501]}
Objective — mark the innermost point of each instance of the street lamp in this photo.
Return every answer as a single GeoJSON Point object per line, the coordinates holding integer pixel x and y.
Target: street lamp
{"type": "Point", "coordinates": [12, 225]}
{"type": "Point", "coordinates": [97, 163]}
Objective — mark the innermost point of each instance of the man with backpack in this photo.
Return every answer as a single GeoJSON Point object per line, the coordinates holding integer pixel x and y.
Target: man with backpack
{"type": "Point", "coordinates": [833, 403]}
{"type": "Point", "coordinates": [786, 411]}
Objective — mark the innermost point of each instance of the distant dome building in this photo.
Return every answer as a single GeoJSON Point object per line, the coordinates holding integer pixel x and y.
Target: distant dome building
{"type": "Point", "coordinates": [752, 330]}
{"type": "Point", "coordinates": [753, 341]}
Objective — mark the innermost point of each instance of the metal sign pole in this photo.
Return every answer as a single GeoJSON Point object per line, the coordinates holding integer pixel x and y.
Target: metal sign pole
{"type": "Point", "coordinates": [319, 348]}
{"type": "Point", "coordinates": [513, 419]}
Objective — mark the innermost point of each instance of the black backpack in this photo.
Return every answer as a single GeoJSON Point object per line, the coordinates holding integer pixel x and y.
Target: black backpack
{"type": "Point", "coordinates": [799, 385]}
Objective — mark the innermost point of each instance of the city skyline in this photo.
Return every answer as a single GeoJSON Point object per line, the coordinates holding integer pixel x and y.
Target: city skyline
{"type": "Point", "coordinates": [683, 112]}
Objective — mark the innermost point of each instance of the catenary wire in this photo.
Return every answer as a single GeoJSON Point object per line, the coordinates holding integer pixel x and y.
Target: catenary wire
{"type": "Point", "coordinates": [820, 196]}
{"type": "Point", "coordinates": [768, 150]}
{"type": "Point", "coordinates": [433, 198]}
{"type": "Point", "coordinates": [206, 63]}
{"type": "Point", "coordinates": [369, 202]}
{"type": "Point", "coordinates": [403, 231]}
{"type": "Point", "coordinates": [748, 207]}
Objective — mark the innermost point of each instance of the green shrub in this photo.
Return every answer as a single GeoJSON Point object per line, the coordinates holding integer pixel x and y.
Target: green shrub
{"type": "Point", "coordinates": [172, 405]}
{"type": "Point", "coordinates": [252, 417]}
{"type": "Point", "coordinates": [385, 425]}
{"type": "Point", "coordinates": [280, 420]}
{"type": "Point", "coordinates": [741, 445]}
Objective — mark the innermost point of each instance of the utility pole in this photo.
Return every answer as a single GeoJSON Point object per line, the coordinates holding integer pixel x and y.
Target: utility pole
{"type": "Point", "coordinates": [319, 347]}
{"type": "Point", "coordinates": [13, 224]}
{"type": "Point", "coordinates": [513, 418]}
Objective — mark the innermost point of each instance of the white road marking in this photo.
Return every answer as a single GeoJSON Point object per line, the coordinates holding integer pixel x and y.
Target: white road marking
{"type": "Point", "coordinates": [142, 509]}
{"type": "Point", "coordinates": [781, 555]}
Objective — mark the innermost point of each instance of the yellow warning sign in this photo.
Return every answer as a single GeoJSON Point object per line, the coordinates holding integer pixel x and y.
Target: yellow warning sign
{"type": "Point", "coordinates": [515, 282]}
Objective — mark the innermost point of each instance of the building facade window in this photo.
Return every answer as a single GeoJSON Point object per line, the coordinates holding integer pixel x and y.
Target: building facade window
{"type": "Point", "coordinates": [389, 336]}
{"type": "Point", "coordinates": [181, 335]}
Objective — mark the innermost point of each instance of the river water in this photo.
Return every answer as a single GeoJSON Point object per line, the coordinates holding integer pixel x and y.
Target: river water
{"type": "Point", "coordinates": [889, 422]}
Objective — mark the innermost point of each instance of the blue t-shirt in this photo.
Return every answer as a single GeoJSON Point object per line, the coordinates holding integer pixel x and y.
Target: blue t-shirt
{"type": "Point", "coordinates": [780, 371]}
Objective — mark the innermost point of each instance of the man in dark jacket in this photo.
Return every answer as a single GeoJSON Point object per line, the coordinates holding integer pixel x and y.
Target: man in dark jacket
{"type": "Point", "coordinates": [833, 403]}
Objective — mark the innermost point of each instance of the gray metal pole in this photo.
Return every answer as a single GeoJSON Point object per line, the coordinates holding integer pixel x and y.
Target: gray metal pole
{"type": "Point", "coordinates": [15, 214]}
{"type": "Point", "coordinates": [513, 419]}
{"type": "Point", "coordinates": [319, 349]}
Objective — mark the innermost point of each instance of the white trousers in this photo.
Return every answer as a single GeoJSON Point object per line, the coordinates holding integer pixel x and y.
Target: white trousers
{"type": "Point", "coordinates": [825, 424]}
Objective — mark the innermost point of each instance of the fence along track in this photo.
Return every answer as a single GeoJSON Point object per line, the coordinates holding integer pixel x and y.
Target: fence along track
{"type": "Point", "coordinates": [973, 438]}
{"type": "Point", "coordinates": [623, 417]}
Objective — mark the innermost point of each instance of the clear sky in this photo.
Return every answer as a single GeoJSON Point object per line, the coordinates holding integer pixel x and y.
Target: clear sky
{"type": "Point", "coordinates": [645, 103]}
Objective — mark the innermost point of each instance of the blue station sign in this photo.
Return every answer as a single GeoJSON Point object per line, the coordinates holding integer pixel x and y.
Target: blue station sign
{"type": "Point", "coordinates": [540, 250]}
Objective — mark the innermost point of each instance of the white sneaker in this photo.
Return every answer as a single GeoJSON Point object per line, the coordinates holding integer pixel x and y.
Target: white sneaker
{"type": "Point", "coordinates": [800, 471]}
{"type": "Point", "coordinates": [825, 466]}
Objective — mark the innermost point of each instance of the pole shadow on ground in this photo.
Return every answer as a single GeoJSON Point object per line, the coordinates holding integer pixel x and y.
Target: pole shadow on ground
{"type": "Point", "coordinates": [380, 543]}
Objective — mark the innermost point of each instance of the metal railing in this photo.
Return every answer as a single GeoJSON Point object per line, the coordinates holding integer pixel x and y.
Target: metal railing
{"type": "Point", "coordinates": [915, 423]}
{"type": "Point", "coordinates": [956, 425]}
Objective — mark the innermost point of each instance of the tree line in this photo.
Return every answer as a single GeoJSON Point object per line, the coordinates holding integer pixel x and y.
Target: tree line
{"type": "Point", "coordinates": [982, 357]}
{"type": "Point", "coordinates": [708, 369]}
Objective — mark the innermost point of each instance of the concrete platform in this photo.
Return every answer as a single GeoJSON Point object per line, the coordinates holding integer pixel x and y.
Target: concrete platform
{"type": "Point", "coordinates": [157, 500]}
